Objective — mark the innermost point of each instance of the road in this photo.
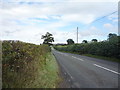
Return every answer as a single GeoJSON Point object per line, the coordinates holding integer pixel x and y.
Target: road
{"type": "Point", "coordinates": [87, 72]}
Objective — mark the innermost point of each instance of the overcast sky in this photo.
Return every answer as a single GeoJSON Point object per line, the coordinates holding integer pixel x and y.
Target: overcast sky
{"type": "Point", "coordinates": [27, 20]}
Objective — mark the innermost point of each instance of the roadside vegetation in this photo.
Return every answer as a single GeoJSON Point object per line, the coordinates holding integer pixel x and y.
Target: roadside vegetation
{"type": "Point", "coordinates": [26, 65]}
{"type": "Point", "coordinates": [109, 48]}
{"type": "Point", "coordinates": [48, 38]}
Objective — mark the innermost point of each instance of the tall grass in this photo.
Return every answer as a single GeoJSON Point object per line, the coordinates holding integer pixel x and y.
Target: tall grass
{"type": "Point", "coordinates": [26, 65]}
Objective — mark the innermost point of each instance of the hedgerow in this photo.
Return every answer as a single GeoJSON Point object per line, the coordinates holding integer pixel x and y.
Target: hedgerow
{"type": "Point", "coordinates": [21, 63]}
{"type": "Point", "coordinates": [108, 48]}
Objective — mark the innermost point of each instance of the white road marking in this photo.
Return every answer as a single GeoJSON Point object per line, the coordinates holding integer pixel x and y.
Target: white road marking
{"type": "Point", "coordinates": [78, 58]}
{"type": "Point", "coordinates": [106, 69]}
{"type": "Point", "coordinates": [73, 57]}
{"type": "Point", "coordinates": [65, 54]}
{"type": "Point", "coordinates": [71, 77]}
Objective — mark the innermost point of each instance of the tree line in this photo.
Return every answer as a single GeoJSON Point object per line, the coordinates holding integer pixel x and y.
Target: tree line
{"type": "Point", "coordinates": [108, 48]}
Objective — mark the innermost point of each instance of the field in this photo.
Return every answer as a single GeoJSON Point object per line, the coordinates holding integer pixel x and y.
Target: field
{"type": "Point", "coordinates": [26, 65]}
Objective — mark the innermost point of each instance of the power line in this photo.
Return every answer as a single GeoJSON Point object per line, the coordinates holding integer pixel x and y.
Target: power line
{"type": "Point", "coordinates": [92, 23]}
{"type": "Point", "coordinates": [104, 17]}
{"type": "Point", "coordinates": [99, 19]}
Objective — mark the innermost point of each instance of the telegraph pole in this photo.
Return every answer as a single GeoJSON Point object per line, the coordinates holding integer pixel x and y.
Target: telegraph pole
{"type": "Point", "coordinates": [77, 34]}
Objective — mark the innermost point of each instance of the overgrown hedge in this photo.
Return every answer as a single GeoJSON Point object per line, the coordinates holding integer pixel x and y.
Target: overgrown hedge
{"type": "Point", "coordinates": [103, 48]}
{"type": "Point", "coordinates": [21, 63]}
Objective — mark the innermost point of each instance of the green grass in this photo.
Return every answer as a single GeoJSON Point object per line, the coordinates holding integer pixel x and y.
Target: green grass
{"type": "Point", "coordinates": [26, 65]}
{"type": "Point", "coordinates": [48, 76]}
{"type": "Point", "coordinates": [102, 57]}
{"type": "Point", "coordinates": [61, 46]}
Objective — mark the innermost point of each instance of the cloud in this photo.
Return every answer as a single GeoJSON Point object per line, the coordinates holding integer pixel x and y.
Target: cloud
{"type": "Point", "coordinates": [87, 9]}
{"type": "Point", "coordinates": [108, 25]}
{"type": "Point", "coordinates": [92, 33]}
{"type": "Point", "coordinates": [62, 0]}
{"type": "Point", "coordinates": [78, 18]}
{"type": "Point", "coordinates": [93, 0]}
{"type": "Point", "coordinates": [113, 17]}
{"type": "Point", "coordinates": [28, 19]}
{"type": "Point", "coordinates": [111, 28]}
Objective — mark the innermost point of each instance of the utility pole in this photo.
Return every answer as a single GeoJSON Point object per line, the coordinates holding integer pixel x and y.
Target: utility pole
{"type": "Point", "coordinates": [77, 34]}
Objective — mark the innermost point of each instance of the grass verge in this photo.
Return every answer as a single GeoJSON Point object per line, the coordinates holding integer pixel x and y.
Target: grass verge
{"type": "Point", "coordinates": [26, 65]}
{"type": "Point", "coordinates": [102, 57]}
{"type": "Point", "coordinates": [48, 76]}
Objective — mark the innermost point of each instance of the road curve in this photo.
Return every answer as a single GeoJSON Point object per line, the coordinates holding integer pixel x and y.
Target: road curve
{"type": "Point", "coordinates": [87, 72]}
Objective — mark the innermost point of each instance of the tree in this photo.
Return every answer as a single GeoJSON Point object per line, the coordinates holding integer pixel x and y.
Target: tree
{"type": "Point", "coordinates": [48, 39]}
{"type": "Point", "coordinates": [94, 40]}
{"type": "Point", "coordinates": [84, 41]}
{"type": "Point", "coordinates": [70, 41]}
{"type": "Point", "coordinates": [112, 37]}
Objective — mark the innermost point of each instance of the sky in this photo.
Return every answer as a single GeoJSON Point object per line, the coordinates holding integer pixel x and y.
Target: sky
{"type": "Point", "coordinates": [28, 20]}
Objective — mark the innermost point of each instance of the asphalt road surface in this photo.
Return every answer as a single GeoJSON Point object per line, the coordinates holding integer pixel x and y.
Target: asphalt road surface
{"type": "Point", "coordinates": [87, 72]}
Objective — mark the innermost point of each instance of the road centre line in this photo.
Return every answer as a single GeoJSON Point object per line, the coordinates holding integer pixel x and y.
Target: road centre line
{"type": "Point", "coordinates": [65, 54]}
{"type": "Point", "coordinates": [106, 69]}
{"type": "Point", "coordinates": [78, 58]}
{"type": "Point", "coordinates": [93, 64]}
{"type": "Point", "coordinates": [72, 56]}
